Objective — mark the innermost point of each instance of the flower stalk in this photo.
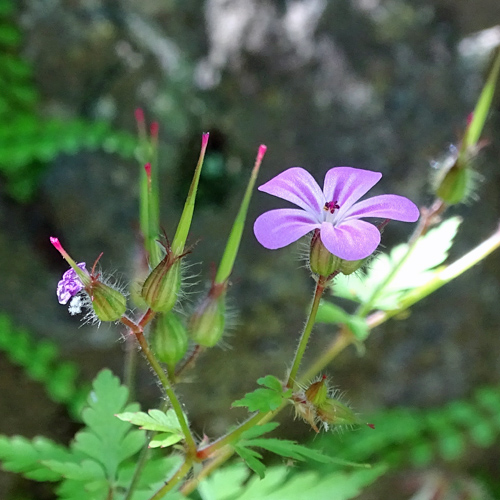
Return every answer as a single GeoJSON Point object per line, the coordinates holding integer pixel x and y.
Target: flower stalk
{"type": "Point", "coordinates": [138, 331]}
{"type": "Point", "coordinates": [304, 339]}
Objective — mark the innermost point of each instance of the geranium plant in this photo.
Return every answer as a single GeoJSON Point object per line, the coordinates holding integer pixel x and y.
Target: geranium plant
{"type": "Point", "coordinates": [123, 453]}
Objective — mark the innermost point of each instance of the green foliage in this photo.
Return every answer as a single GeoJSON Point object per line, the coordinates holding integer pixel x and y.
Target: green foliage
{"type": "Point", "coordinates": [283, 483]}
{"type": "Point", "coordinates": [40, 361]}
{"type": "Point", "coordinates": [380, 288]}
{"type": "Point", "coordinates": [265, 400]}
{"type": "Point", "coordinates": [419, 437]}
{"type": "Point", "coordinates": [331, 313]}
{"type": "Point", "coordinates": [96, 463]}
{"type": "Point", "coordinates": [27, 140]}
{"type": "Point", "coordinates": [166, 424]}
{"type": "Point", "coordinates": [289, 449]}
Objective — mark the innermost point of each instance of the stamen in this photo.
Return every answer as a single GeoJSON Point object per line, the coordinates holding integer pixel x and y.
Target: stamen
{"type": "Point", "coordinates": [331, 206]}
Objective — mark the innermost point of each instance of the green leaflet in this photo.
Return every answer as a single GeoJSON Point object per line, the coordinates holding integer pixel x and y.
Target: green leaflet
{"type": "Point", "coordinates": [26, 457]}
{"type": "Point", "coordinates": [331, 313]}
{"type": "Point", "coordinates": [429, 252]}
{"type": "Point", "coordinates": [280, 483]}
{"type": "Point", "coordinates": [251, 439]}
{"type": "Point", "coordinates": [264, 400]}
{"type": "Point", "coordinates": [106, 439]}
{"type": "Point", "coordinates": [166, 424]}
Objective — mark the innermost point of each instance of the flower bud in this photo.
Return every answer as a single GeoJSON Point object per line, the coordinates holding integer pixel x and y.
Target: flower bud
{"type": "Point", "coordinates": [170, 340]}
{"type": "Point", "coordinates": [324, 263]}
{"type": "Point", "coordinates": [454, 184]}
{"type": "Point", "coordinates": [317, 392]}
{"type": "Point", "coordinates": [333, 412]}
{"type": "Point", "coordinates": [161, 288]}
{"type": "Point", "coordinates": [206, 325]}
{"type": "Point", "coordinates": [456, 178]}
{"type": "Point", "coordinates": [108, 304]}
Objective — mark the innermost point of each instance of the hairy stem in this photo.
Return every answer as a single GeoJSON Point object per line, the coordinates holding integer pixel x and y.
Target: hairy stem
{"type": "Point", "coordinates": [139, 334]}
{"type": "Point", "coordinates": [301, 349]}
{"type": "Point", "coordinates": [181, 473]}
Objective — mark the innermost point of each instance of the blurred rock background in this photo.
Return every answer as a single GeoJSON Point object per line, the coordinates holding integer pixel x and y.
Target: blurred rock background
{"type": "Point", "coordinates": [378, 84]}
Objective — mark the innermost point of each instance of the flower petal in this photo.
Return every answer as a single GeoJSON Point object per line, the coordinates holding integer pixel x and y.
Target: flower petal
{"type": "Point", "coordinates": [346, 185]}
{"type": "Point", "coordinates": [298, 186]}
{"type": "Point", "coordinates": [351, 240]}
{"type": "Point", "coordinates": [388, 206]}
{"type": "Point", "coordinates": [279, 228]}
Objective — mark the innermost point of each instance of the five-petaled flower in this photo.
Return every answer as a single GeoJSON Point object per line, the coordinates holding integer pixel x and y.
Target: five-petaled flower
{"type": "Point", "coordinates": [334, 211]}
{"type": "Point", "coordinates": [69, 285]}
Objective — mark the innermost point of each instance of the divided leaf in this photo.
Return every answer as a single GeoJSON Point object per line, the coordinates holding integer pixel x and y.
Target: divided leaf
{"type": "Point", "coordinates": [417, 269]}
{"type": "Point", "coordinates": [21, 455]}
{"type": "Point", "coordinates": [106, 439]}
{"type": "Point", "coordinates": [265, 400]}
{"type": "Point", "coordinates": [166, 424]}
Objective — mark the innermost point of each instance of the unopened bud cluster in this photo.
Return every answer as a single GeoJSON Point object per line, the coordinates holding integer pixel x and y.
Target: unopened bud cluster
{"type": "Point", "coordinates": [319, 405]}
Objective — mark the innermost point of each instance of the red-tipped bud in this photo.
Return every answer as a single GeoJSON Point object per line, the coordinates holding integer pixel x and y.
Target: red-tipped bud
{"type": "Point", "coordinates": [153, 129]}
{"type": "Point", "coordinates": [139, 115]}
{"type": "Point", "coordinates": [206, 325]}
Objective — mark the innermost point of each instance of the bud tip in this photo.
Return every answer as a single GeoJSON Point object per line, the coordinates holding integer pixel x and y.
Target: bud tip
{"type": "Point", "coordinates": [261, 153]}
{"type": "Point", "coordinates": [154, 129]}
{"type": "Point", "coordinates": [139, 115]}
{"type": "Point", "coordinates": [204, 139]}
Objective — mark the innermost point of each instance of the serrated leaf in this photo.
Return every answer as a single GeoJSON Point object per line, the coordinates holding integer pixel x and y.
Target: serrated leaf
{"type": "Point", "coordinates": [26, 457]}
{"type": "Point", "coordinates": [271, 382]}
{"type": "Point", "coordinates": [419, 267]}
{"type": "Point", "coordinates": [86, 470]}
{"type": "Point", "coordinates": [264, 400]}
{"type": "Point", "coordinates": [252, 459]}
{"type": "Point", "coordinates": [164, 440]}
{"type": "Point", "coordinates": [106, 439]}
{"type": "Point", "coordinates": [154, 420]}
{"type": "Point", "coordinates": [259, 430]}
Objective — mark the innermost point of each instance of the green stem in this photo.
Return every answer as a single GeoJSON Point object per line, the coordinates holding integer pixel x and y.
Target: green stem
{"type": "Point", "coordinates": [181, 473]}
{"type": "Point", "coordinates": [301, 349]}
{"type": "Point", "coordinates": [139, 334]}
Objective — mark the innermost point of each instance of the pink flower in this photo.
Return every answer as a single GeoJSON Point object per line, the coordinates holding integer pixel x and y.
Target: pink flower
{"type": "Point", "coordinates": [335, 211]}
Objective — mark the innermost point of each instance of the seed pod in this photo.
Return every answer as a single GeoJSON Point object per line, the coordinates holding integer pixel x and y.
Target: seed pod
{"type": "Point", "coordinates": [170, 339]}
{"type": "Point", "coordinates": [108, 304]}
{"type": "Point", "coordinates": [161, 288]}
{"type": "Point", "coordinates": [206, 325]}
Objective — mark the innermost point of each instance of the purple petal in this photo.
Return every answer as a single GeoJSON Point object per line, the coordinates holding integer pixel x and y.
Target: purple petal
{"type": "Point", "coordinates": [279, 228]}
{"type": "Point", "coordinates": [352, 240]}
{"type": "Point", "coordinates": [69, 285]}
{"type": "Point", "coordinates": [298, 186]}
{"type": "Point", "coordinates": [387, 206]}
{"type": "Point", "coordinates": [346, 185]}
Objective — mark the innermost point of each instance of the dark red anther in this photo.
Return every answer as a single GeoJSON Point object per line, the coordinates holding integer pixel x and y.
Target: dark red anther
{"type": "Point", "coordinates": [331, 206]}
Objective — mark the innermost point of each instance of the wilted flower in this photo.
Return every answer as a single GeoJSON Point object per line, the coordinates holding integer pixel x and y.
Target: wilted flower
{"type": "Point", "coordinates": [69, 285]}
{"type": "Point", "coordinates": [335, 211]}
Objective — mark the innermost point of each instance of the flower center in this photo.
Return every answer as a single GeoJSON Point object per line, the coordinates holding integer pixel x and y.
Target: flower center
{"type": "Point", "coordinates": [331, 206]}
